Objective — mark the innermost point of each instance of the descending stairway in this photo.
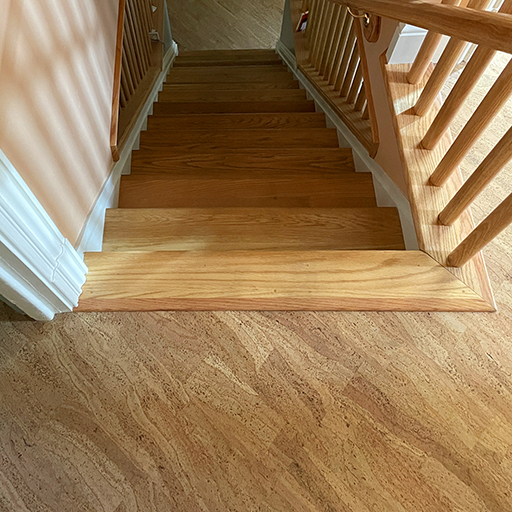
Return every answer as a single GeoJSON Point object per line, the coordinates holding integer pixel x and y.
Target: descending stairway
{"type": "Point", "coordinates": [240, 198]}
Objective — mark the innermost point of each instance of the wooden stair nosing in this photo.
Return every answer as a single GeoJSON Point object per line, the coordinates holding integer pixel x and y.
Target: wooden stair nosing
{"type": "Point", "coordinates": [193, 140]}
{"type": "Point", "coordinates": [233, 121]}
{"type": "Point", "coordinates": [346, 190]}
{"type": "Point", "coordinates": [227, 229]}
{"type": "Point", "coordinates": [299, 161]}
{"type": "Point", "coordinates": [186, 95]}
{"type": "Point", "coordinates": [273, 280]}
{"type": "Point", "coordinates": [243, 107]}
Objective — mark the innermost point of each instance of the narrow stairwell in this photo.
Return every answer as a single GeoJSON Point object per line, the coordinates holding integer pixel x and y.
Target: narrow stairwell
{"type": "Point", "coordinates": [240, 198]}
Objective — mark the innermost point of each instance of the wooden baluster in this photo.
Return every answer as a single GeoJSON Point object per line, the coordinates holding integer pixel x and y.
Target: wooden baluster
{"type": "Point", "coordinates": [483, 234]}
{"type": "Point", "coordinates": [349, 50]}
{"type": "Point", "coordinates": [483, 175]}
{"type": "Point", "coordinates": [463, 87]}
{"type": "Point", "coordinates": [356, 84]}
{"type": "Point", "coordinates": [310, 28]}
{"type": "Point", "coordinates": [133, 37]}
{"type": "Point", "coordinates": [444, 68]}
{"type": "Point", "coordinates": [361, 98]}
{"type": "Point", "coordinates": [424, 57]}
{"type": "Point", "coordinates": [441, 72]}
{"type": "Point", "coordinates": [127, 76]}
{"type": "Point", "coordinates": [123, 99]}
{"type": "Point", "coordinates": [427, 50]}
{"type": "Point", "coordinates": [329, 52]}
{"type": "Point", "coordinates": [366, 112]}
{"type": "Point", "coordinates": [341, 45]}
{"type": "Point", "coordinates": [317, 35]}
{"type": "Point", "coordinates": [321, 48]}
{"type": "Point", "coordinates": [130, 52]}
{"type": "Point", "coordinates": [143, 33]}
{"type": "Point", "coordinates": [488, 109]}
{"type": "Point", "coordinates": [354, 63]}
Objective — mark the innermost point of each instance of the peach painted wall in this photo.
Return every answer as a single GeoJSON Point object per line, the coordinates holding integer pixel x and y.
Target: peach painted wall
{"type": "Point", "coordinates": [56, 77]}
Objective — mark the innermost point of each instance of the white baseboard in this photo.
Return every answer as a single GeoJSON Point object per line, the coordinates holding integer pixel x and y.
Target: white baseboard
{"type": "Point", "coordinates": [388, 194]}
{"type": "Point", "coordinates": [91, 239]}
{"type": "Point", "coordinates": [41, 273]}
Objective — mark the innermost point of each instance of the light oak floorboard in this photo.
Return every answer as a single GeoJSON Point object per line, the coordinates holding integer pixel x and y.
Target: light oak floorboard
{"type": "Point", "coordinates": [174, 160]}
{"type": "Point", "coordinates": [261, 190]}
{"type": "Point", "coordinates": [223, 229]}
{"type": "Point", "coordinates": [272, 280]}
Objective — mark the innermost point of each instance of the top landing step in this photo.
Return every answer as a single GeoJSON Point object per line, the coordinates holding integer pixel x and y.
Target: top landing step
{"type": "Point", "coordinates": [227, 58]}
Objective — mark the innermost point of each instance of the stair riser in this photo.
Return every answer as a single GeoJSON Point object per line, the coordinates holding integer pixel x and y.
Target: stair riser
{"type": "Point", "coordinates": [238, 121]}
{"type": "Point", "coordinates": [176, 161]}
{"type": "Point", "coordinates": [190, 96]}
{"type": "Point", "coordinates": [345, 191]}
{"type": "Point", "coordinates": [198, 140]}
{"type": "Point", "coordinates": [234, 107]}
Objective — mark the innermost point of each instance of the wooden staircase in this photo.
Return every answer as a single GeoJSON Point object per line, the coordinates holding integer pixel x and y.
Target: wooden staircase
{"type": "Point", "coordinates": [240, 198]}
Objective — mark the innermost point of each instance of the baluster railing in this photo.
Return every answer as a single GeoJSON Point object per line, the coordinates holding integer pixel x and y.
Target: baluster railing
{"type": "Point", "coordinates": [137, 66]}
{"type": "Point", "coordinates": [334, 63]}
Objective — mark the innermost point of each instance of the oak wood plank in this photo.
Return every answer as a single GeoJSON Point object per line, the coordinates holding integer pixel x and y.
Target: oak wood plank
{"type": "Point", "coordinates": [204, 140]}
{"type": "Point", "coordinates": [227, 229]}
{"type": "Point", "coordinates": [254, 120]}
{"type": "Point", "coordinates": [291, 83]}
{"type": "Point", "coordinates": [187, 95]}
{"type": "Point", "coordinates": [176, 161]}
{"type": "Point", "coordinates": [219, 107]}
{"type": "Point", "coordinates": [228, 74]}
{"type": "Point", "coordinates": [280, 280]}
{"type": "Point", "coordinates": [347, 190]}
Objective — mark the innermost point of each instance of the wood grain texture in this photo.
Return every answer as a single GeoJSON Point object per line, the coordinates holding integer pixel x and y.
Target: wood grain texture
{"type": "Point", "coordinates": [227, 229]}
{"type": "Point", "coordinates": [428, 201]}
{"type": "Point", "coordinates": [185, 95]}
{"type": "Point", "coordinates": [228, 74]}
{"type": "Point", "coordinates": [239, 121]}
{"type": "Point", "coordinates": [218, 107]}
{"type": "Point", "coordinates": [263, 190]}
{"type": "Point", "coordinates": [236, 86]}
{"type": "Point", "coordinates": [319, 160]}
{"type": "Point", "coordinates": [206, 140]}
{"type": "Point", "coordinates": [291, 280]}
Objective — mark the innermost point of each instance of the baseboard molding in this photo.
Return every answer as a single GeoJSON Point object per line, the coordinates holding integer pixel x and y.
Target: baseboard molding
{"type": "Point", "coordinates": [91, 239]}
{"type": "Point", "coordinates": [388, 194]}
{"type": "Point", "coordinates": [41, 273]}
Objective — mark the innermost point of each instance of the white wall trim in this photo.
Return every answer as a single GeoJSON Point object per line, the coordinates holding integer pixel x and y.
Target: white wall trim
{"type": "Point", "coordinates": [387, 192]}
{"type": "Point", "coordinates": [40, 271]}
{"type": "Point", "coordinates": [91, 239]}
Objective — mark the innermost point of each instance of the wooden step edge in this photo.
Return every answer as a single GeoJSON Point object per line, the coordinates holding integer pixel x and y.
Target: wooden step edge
{"type": "Point", "coordinates": [185, 63]}
{"type": "Point", "coordinates": [273, 281]}
{"type": "Point", "coordinates": [228, 52]}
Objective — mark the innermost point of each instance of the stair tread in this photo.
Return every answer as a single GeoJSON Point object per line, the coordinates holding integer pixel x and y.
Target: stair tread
{"type": "Point", "coordinates": [177, 161]}
{"type": "Point", "coordinates": [239, 121]}
{"type": "Point", "coordinates": [228, 74]}
{"type": "Point", "coordinates": [203, 190]}
{"type": "Point", "coordinates": [279, 280]}
{"type": "Point", "coordinates": [228, 61]}
{"type": "Point", "coordinates": [225, 107]}
{"type": "Point", "coordinates": [223, 229]}
{"type": "Point", "coordinates": [187, 95]}
{"type": "Point", "coordinates": [203, 140]}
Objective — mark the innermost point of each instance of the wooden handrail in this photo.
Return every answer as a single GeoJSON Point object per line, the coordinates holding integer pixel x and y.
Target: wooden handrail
{"type": "Point", "coordinates": [114, 125]}
{"type": "Point", "coordinates": [479, 27]}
